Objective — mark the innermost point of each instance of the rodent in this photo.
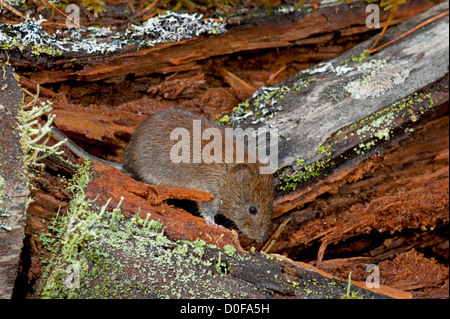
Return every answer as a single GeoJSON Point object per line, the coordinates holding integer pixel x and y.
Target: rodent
{"type": "Point", "coordinates": [241, 193]}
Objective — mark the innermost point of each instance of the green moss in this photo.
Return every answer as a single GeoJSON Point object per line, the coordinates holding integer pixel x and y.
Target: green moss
{"type": "Point", "coordinates": [229, 250]}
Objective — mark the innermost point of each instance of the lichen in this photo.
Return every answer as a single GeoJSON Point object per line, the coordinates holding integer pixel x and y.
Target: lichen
{"type": "Point", "coordinates": [28, 34]}
{"type": "Point", "coordinates": [34, 136]}
{"type": "Point", "coordinates": [262, 106]}
{"type": "Point", "coordinates": [229, 250]}
{"type": "Point", "coordinates": [3, 212]}
{"type": "Point", "coordinates": [304, 172]}
{"type": "Point", "coordinates": [170, 27]}
{"type": "Point", "coordinates": [13, 3]}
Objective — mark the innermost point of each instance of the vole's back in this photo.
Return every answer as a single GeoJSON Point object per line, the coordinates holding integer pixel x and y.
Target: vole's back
{"type": "Point", "coordinates": [148, 154]}
{"type": "Point", "coordinates": [240, 192]}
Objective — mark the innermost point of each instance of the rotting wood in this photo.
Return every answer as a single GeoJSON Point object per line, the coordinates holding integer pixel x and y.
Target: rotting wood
{"type": "Point", "coordinates": [149, 199]}
{"type": "Point", "coordinates": [437, 99]}
{"type": "Point", "coordinates": [398, 207]}
{"type": "Point", "coordinates": [123, 260]}
{"type": "Point", "coordinates": [341, 126]}
{"type": "Point", "coordinates": [338, 19]}
{"type": "Point", "coordinates": [429, 87]}
{"type": "Point", "coordinates": [273, 31]}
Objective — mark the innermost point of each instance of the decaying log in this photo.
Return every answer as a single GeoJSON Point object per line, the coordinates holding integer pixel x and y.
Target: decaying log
{"type": "Point", "coordinates": [13, 183]}
{"type": "Point", "coordinates": [116, 258]}
{"type": "Point", "coordinates": [333, 118]}
{"type": "Point", "coordinates": [150, 199]}
{"type": "Point", "coordinates": [103, 116]}
{"type": "Point", "coordinates": [276, 30]}
{"type": "Point", "coordinates": [350, 108]}
{"type": "Point", "coordinates": [399, 207]}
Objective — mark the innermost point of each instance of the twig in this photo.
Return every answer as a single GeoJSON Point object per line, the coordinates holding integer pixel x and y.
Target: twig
{"type": "Point", "coordinates": [12, 9]}
{"type": "Point", "coordinates": [388, 22]}
{"type": "Point", "coordinates": [274, 75]}
{"type": "Point", "coordinates": [269, 244]}
{"type": "Point", "coordinates": [87, 13]}
{"type": "Point", "coordinates": [241, 87]}
{"type": "Point", "coordinates": [34, 86]}
{"type": "Point", "coordinates": [222, 20]}
{"type": "Point", "coordinates": [410, 31]}
{"type": "Point", "coordinates": [148, 17]}
{"type": "Point", "coordinates": [59, 11]}
{"type": "Point", "coordinates": [130, 5]}
{"type": "Point", "coordinates": [147, 9]}
{"type": "Point", "coordinates": [55, 24]}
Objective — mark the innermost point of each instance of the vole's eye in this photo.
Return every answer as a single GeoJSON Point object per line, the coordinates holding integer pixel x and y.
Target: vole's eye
{"type": "Point", "coordinates": [253, 210]}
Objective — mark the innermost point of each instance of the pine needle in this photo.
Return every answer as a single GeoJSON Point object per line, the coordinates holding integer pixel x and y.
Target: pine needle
{"type": "Point", "coordinates": [409, 32]}
{"type": "Point", "coordinates": [59, 11]}
{"type": "Point", "coordinates": [12, 9]}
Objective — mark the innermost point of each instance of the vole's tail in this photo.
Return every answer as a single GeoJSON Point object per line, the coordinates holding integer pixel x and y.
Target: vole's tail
{"type": "Point", "coordinates": [78, 151]}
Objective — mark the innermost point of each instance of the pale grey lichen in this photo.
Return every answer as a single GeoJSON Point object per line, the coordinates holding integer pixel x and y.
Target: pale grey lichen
{"type": "Point", "coordinates": [378, 78]}
{"type": "Point", "coordinates": [3, 213]}
{"type": "Point", "coordinates": [14, 3]}
{"type": "Point", "coordinates": [262, 106]}
{"type": "Point", "coordinates": [368, 79]}
{"type": "Point", "coordinates": [170, 27]}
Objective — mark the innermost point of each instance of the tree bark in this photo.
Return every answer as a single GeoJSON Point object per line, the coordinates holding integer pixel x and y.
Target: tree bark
{"type": "Point", "coordinates": [13, 183]}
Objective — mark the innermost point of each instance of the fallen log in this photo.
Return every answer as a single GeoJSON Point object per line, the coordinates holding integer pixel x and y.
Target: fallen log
{"type": "Point", "coordinates": [300, 26]}
{"type": "Point", "coordinates": [306, 149]}
{"type": "Point", "coordinates": [342, 112]}
{"type": "Point", "coordinates": [116, 91]}
{"type": "Point", "coordinates": [106, 255]}
{"type": "Point", "coordinates": [13, 183]}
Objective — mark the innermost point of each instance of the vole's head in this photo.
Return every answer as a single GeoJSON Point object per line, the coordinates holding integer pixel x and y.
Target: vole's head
{"type": "Point", "coordinates": [248, 200]}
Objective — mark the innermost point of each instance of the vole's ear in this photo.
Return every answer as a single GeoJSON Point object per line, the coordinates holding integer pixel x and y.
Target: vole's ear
{"type": "Point", "coordinates": [242, 172]}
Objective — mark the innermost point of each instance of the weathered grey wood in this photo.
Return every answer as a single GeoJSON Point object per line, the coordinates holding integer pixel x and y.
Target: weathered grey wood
{"type": "Point", "coordinates": [388, 76]}
{"type": "Point", "coordinates": [346, 109]}
{"type": "Point", "coordinates": [13, 183]}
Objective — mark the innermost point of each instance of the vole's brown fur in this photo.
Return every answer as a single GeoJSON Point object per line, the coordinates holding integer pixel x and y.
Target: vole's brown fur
{"type": "Point", "coordinates": [235, 186]}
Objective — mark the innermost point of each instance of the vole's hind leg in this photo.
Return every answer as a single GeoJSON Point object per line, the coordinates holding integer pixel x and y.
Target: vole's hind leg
{"type": "Point", "coordinates": [209, 210]}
